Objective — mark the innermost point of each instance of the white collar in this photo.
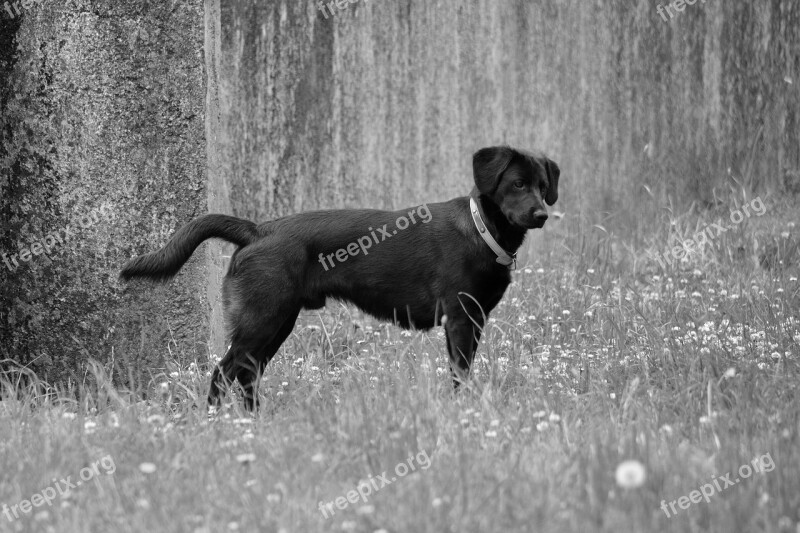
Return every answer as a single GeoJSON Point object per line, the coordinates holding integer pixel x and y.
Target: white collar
{"type": "Point", "coordinates": [503, 257]}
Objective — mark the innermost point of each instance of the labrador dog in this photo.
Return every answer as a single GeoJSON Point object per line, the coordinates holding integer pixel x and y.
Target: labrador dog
{"type": "Point", "coordinates": [440, 264]}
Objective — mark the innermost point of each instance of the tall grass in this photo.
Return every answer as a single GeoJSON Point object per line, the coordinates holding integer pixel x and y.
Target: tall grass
{"type": "Point", "coordinates": [595, 356]}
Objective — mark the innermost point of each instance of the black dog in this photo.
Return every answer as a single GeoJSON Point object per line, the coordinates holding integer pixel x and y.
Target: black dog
{"type": "Point", "coordinates": [450, 266]}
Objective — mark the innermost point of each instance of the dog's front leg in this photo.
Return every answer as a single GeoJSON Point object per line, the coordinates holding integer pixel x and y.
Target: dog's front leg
{"type": "Point", "coordinates": [462, 341]}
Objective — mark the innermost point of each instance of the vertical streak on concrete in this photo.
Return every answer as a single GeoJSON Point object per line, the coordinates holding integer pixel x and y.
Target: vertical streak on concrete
{"type": "Point", "coordinates": [217, 184]}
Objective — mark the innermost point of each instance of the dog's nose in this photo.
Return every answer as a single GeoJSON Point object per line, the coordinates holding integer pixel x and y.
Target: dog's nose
{"type": "Point", "coordinates": [540, 216]}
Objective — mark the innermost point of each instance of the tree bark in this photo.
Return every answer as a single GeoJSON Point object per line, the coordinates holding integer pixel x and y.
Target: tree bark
{"type": "Point", "coordinates": [103, 106]}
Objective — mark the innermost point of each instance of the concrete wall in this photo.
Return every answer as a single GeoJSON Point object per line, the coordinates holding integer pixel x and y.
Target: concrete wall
{"type": "Point", "coordinates": [383, 102]}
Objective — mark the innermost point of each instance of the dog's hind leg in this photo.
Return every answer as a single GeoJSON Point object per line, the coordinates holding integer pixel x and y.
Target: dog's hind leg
{"type": "Point", "coordinates": [227, 370]}
{"type": "Point", "coordinates": [246, 359]}
{"type": "Point", "coordinates": [249, 376]}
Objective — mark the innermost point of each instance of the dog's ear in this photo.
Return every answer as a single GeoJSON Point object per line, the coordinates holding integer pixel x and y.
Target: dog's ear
{"type": "Point", "coordinates": [488, 165]}
{"type": "Point", "coordinates": [552, 180]}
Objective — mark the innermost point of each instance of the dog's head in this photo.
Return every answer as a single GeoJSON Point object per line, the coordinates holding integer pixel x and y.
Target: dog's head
{"type": "Point", "coordinates": [518, 182]}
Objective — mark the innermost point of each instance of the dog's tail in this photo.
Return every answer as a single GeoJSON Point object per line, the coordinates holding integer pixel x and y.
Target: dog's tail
{"type": "Point", "coordinates": [166, 262]}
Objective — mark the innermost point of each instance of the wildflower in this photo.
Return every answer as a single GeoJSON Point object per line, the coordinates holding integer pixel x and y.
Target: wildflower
{"type": "Point", "coordinates": [245, 458]}
{"type": "Point", "coordinates": [630, 474]}
{"type": "Point", "coordinates": [147, 468]}
{"type": "Point", "coordinates": [156, 419]}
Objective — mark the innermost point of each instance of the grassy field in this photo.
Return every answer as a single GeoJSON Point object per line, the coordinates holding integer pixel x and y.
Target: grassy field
{"type": "Point", "coordinates": [605, 385]}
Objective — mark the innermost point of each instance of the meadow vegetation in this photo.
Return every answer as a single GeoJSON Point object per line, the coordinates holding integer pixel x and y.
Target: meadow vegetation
{"type": "Point", "coordinates": [597, 355]}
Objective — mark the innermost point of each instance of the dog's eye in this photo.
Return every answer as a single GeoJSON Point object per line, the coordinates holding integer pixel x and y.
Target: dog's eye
{"type": "Point", "coordinates": [519, 184]}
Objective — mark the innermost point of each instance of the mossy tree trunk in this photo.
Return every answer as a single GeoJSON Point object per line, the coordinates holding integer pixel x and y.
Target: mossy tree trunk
{"type": "Point", "coordinates": [103, 106]}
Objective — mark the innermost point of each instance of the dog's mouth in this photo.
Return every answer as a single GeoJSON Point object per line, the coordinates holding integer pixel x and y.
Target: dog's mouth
{"type": "Point", "coordinates": [525, 222]}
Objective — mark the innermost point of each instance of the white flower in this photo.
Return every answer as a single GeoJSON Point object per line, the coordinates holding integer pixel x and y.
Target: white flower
{"type": "Point", "coordinates": [147, 468]}
{"type": "Point", "coordinates": [731, 372]}
{"type": "Point", "coordinates": [156, 419]}
{"type": "Point", "coordinates": [245, 458]}
{"type": "Point", "coordinates": [630, 474]}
